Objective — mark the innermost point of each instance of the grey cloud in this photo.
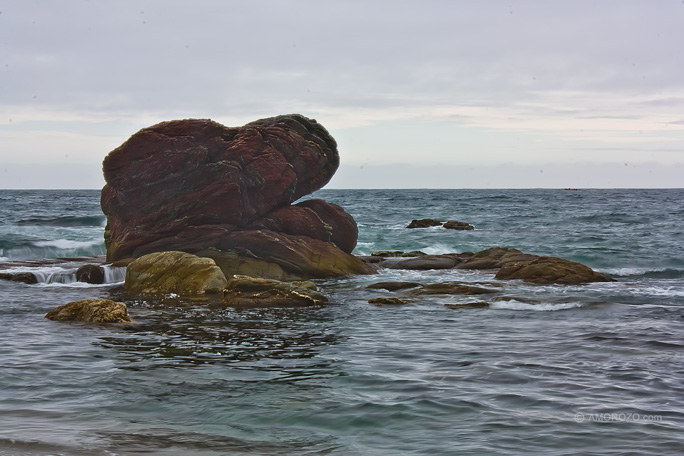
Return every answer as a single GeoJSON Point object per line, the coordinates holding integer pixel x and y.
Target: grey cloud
{"type": "Point", "coordinates": [218, 55]}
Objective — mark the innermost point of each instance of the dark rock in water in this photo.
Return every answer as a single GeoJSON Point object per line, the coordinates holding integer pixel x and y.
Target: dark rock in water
{"type": "Point", "coordinates": [90, 273]}
{"type": "Point", "coordinates": [393, 286]}
{"type": "Point", "coordinates": [243, 291]}
{"type": "Point", "coordinates": [468, 305]}
{"type": "Point", "coordinates": [23, 277]}
{"type": "Point", "coordinates": [424, 223]}
{"type": "Point", "coordinates": [198, 186]}
{"type": "Point", "coordinates": [163, 273]}
{"type": "Point", "coordinates": [549, 270]}
{"type": "Point", "coordinates": [509, 263]}
{"type": "Point", "coordinates": [450, 288]}
{"type": "Point", "coordinates": [398, 253]}
{"type": "Point", "coordinates": [424, 263]}
{"type": "Point", "coordinates": [456, 225]}
{"type": "Point", "coordinates": [91, 310]}
{"type": "Point", "coordinates": [384, 301]}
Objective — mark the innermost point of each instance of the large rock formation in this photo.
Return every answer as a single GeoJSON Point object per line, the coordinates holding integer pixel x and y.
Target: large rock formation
{"type": "Point", "coordinates": [226, 193]}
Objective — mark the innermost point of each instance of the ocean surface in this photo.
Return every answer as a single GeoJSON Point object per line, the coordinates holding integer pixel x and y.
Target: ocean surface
{"type": "Point", "coordinates": [542, 370]}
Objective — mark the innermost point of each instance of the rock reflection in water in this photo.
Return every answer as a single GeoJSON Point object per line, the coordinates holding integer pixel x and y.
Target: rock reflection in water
{"type": "Point", "coordinates": [182, 335]}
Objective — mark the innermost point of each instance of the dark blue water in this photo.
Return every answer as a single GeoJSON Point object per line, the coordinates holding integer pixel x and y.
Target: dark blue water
{"type": "Point", "coordinates": [548, 370]}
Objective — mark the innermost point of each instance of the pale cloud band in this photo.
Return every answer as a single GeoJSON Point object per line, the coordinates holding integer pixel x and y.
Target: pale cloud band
{"type": "Point", "coordinates": [452, 83]}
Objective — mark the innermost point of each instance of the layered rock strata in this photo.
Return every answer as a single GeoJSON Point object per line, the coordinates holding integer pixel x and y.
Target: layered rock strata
{"type": "Point", "coordinates": [226, 193]}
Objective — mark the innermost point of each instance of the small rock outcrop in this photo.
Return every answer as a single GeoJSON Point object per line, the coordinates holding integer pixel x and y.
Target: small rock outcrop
{"type": "Point", "coordinates": [23, 277]}
{"type": "Point", "coordinates": [424, 223]}
{"type": "Point", "coordinates": [509, 264]}
{"type": "Point", "coordinates": [450, 288]}
{"type": "Point", "coordinates": [91, 311]}
{"type": "Point", "coordinates": [548, 270]}
{"type": "Point", "coordinates": [393, 286]}
{"type": "Point", "coordinates": [388, 301]}
{"type": "Point", "coordinates": [456, 225]}
{"type": "Point", "coordinates": [90, 273]}
{"type": "Point", "coordinates": [227, 193]}
{"type": "Point", "coordinates": [244, 291]}
{"type": "Point", "coordinates": [181, 273]}
{"type": "Point", "coordinates": [397, 253]}
{"type": "Point", "coordinates": [450, 224]}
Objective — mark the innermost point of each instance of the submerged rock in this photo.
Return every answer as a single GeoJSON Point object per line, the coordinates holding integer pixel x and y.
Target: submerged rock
{"type": "Point", "coordinates": [509, 264]}
{"type": "Point", "coordinates": [385, 301]}
{"type": "Point", "coordinates": [23, 277]}
{"type": "Point", "coordinates": [424, 223]}
{"type": "Point", "coordinates": [450, 288]}
{"type": "Point", "coordinates": [393, 286]}
{"type": "Point", "coordinates": [456, 225]}
{"type": "Point", "coordinates": [424, 263]}
{"type": "Point", "coordinates": [197, 186]}
{"type": "Point", "coordinates": [91, 310]}
{"type": "Point", "coordinates": [468, 305]}
{"type": "Point", "coordinates": [182, 273]}
{"type": "Point", "coordinates": [244, 291]}
{"type": "Point", "coordinates": [397, 253]}
{"type": "Point", "coordinates": [90, 273]}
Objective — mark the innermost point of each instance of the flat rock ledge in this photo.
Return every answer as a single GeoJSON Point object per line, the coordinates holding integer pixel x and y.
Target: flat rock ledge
{"type": "Point", "coordinates": [244, 291]}
{"type": "Point", "coordinates": [509, 264]}
{"type": "Point", "coordinates": [449, 224]}
{"type": "Point", "coordinates": [91, 311]}
{"type": "Point", "coordinates": [165, 273]}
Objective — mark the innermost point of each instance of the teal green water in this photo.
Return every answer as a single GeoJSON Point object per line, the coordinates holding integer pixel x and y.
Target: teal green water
{"type": "Point", "coordinates": [548, 370]}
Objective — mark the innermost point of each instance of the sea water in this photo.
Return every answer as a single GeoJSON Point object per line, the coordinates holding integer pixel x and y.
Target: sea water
{"type": "Point", "coordinates": [548, 370]}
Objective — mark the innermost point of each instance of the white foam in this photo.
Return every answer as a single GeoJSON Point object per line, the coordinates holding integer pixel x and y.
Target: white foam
{"type": "Point", "coordinates": [541, 307]}
{"type": "Point", "coordinates": [438, 249]}
{"type": "Point", "coordinates": [61, 276]}
{"type": "Point", "coordinates": [67, 244]}
{"type": "Point", "coordinates": [114, 274]}
{"type": "Point", "coordinates": [667, 291]}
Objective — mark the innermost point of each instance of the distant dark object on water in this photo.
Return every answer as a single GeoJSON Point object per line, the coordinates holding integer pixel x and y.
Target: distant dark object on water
{"type": "Point", "coordinates": [424, 223]}
{"type": "Point", "coordinates": [451, 224]}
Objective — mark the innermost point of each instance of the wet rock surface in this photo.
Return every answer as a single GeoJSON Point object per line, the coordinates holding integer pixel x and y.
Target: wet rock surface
{"type": "Point", "coordinates": [91, 311]}
{"type": "Point", "coordinates": [244, 291]}
{"type": "Point", "coordinates": [182, 273]}
{"type": "Point", "coordinates": [507, 263]}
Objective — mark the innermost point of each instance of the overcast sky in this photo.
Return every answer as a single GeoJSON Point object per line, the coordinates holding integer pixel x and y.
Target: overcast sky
{"type": "Point", "coordinates": [421, 93]}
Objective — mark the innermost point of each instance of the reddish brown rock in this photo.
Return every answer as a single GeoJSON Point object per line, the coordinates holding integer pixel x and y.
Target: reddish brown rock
{"type": "Point", "coordinates": [301, 256]}
{"type": "Point", "coordinates": [198, 186]}
{"type": "Point", "coordinates": [314, 218]}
